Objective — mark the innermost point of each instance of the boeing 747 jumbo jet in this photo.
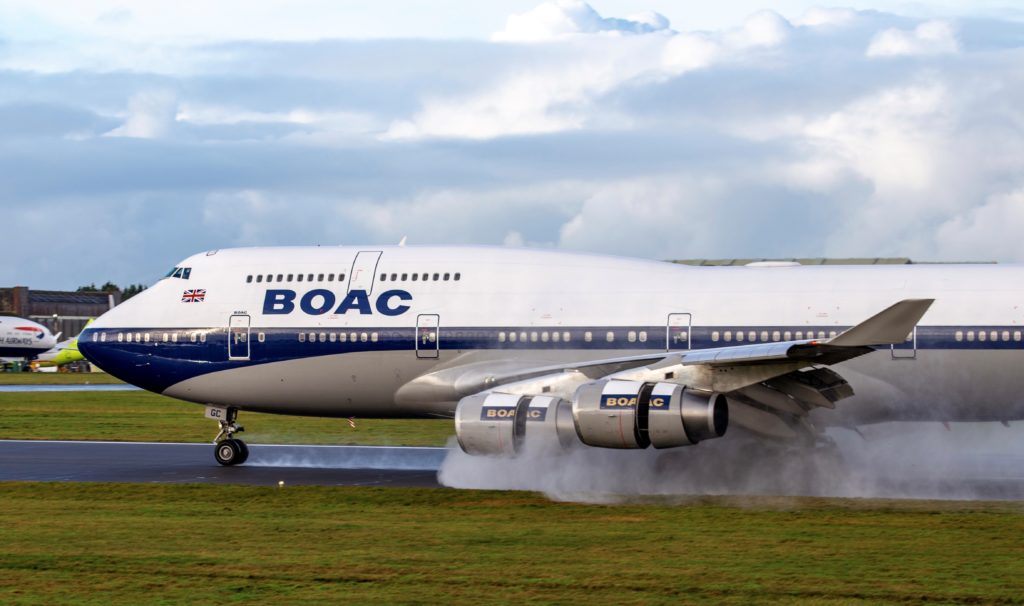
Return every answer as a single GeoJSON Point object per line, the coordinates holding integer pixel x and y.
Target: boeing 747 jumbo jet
{"type": "Point", "coordinates": [529, 347]}
{"type": "Point", "coordinates": [20, 338]}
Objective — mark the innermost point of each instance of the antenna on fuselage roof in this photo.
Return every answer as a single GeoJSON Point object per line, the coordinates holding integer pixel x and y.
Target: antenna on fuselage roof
{"type": "Point", "coordinates": [402, 241]}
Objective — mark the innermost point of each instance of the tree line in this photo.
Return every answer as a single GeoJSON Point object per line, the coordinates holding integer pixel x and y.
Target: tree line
{"type": "Point", "coordinates": [126, 293]}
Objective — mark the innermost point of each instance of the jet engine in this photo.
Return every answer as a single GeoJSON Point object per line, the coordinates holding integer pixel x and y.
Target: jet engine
{"type": "Point", "coordinates": [501, 423]}
{"type": "Point", "coordinates": [608, 414]}
{"type": "Point", "coordinates": [631, 414]}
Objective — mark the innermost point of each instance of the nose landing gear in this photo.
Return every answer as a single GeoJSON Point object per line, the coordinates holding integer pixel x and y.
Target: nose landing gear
{"type": "Point", "coordinates": [227, 449]}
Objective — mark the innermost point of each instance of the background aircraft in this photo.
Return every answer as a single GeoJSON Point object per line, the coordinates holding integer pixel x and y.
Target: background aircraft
{"type": "Point", "coordinates": [24, 339]}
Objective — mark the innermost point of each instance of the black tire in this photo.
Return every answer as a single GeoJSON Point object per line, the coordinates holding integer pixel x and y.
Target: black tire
{"type": "Point", "coordinates": [228, 452]}
{"type": "Point", "coordinates": [244, 454]}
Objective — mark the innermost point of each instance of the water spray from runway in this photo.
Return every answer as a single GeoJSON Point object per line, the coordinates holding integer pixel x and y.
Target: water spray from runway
{"type": "Point", "coordinates": [894, 460]}
{"type": "Point", "coordinates": [349, 457]}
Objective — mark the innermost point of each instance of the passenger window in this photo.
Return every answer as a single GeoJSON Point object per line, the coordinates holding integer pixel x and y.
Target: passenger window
{"type": "Point", "coordinates": [174, 337]}
{"type": "Point", "coordinates": [994, 336]}
{"type": "Point", "coordinates": [776, 336]}
{"type": "Point", "coordinates": [522, 337]}
{"type": "Point", "coordinates": [588, 336]}
{"type": "Point", "coordinates": [739, 336]}
{"type": "Point", "coordinates": [512, 337]}
{"type": "Point", "coordinates": [166, 338]}
{"type": "Point", "coordinates": [555, 337]}
{"type": "Point", "coordinates": [302, 337]}
{"type": "Point", "coordinates": [458, 276]}
{"type": "Point", "coordinates": [259, 278]}
{"type": "Point", "coordinates": [103, 337]}
{"type": "Point", "coordinates": [1006, 335]}
{"type": "Point", "coordinates": [383, 277]}
{"type": "Point", "coordinates": [643, 336]}
{"type": "Point", "coordinates": [330, 277]}
{"type": "Point", "coordinates": [320, 278]}
{"type": "Point", "coordinates": [291, 277]}
{"type": "Point", "coordinates": [415, 276]}
{"type": "Point", "coordinates": [437, 277]}
{"type": "Point", "coordinates": [248, 279]}
{"type": "Point", "coordinates": [147, 337]}
{"type": "Point", "coordinates": [565, 336]}
{"type": "Point", "coordinates": [270, 277]}
{"type": "Point", "coordinates": [714, 336]}
{"type": "Point", "coordinates": [333, 337]}
{"type": "Point", "coordinates": [1016, 335]}
{"type": "Point", "coordinates": [447, 276]}
{"type": "Point", "coordinates": [959, 335]}
{"type": "Point", "coordinates": [120, 337]}
{"type": "Point", "coordinates": [394, 277]}
{"type": "Point", "coordinates": [280, 277]}
{"type": "Point", "coordinates": [970, 335]}
{"type": "Point", "coordinates": [373, 337]}
{"type": "Point", "coordinates": [405, 277]}
{"type": "Point", "coordinates": [323, 337]}
{"type": "Point", "coordinates": [202, 337]}
{"type": "Point", "coordinates": [352, 337]}
{"type": "Point", "coordinates": [982, 335]}
{"type": "Point", "coordinates": [342, 337]}
{"type": "Point", "coordinates": [631, 336]}
{"type": "Point", "coordinates": [799, 335]}
{"type": "Point", "coordinates": [533, 337]}
{"type": "Point", "coordinates": [341, 277]}
{"type": "Point", "coordinates": [309, 277]}
{"type": "Point", "coordinates": [788, 336]}
{"type": "Point", "coordinates": [363, 337]}
{"type": "Point", "coordinates": [727, 336]}
{"type": "Point", "coordinates": [298, 278]}
{"type": "Point", "coordinates": [610, 337]}
{"type": "Point", "coordinates": [261, 337]}
{"type": "Point", "coordinates": [831, 334]}
{"type": "Point", "coordinates": [129, 338]}
{"type": "Point", "coordinates": [426, 277]}
{"type": "Point", "coordinates": [764, 335]}
{"type": "Point", "coordinates": [821, 334]}
{"type": "Point", "coordinates": [544, 336]}
{"type": "Point", "coordinates": [752, 336]}
{"type": "Point", "coordinates": [501, 337]}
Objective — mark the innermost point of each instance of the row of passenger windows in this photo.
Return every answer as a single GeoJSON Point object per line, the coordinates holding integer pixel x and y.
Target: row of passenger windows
{"type": "Point", "coordinates": [992, 335]}
{"type": "Point", "coordinates": [167, 337]}
{"type": "Point", "coordinates": [395, 277]}
{"type": "Point", "coordinates": [775, 335]}
{"type": "Point", "coordinates": [545, 336]}
{"type": "Point", "coordinates": [339, 337]}
{"type": "Point", "coordinates": [427, 277]}
{"type": "Point", "coordinates": [295, 278]}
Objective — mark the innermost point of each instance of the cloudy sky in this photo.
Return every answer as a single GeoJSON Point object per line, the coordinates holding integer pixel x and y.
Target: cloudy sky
{"type": "Point", "coordinates": [133, 134]}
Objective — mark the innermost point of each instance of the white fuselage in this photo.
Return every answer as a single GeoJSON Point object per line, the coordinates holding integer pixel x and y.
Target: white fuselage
{"type": "Point", "coordinates": [240, 329]}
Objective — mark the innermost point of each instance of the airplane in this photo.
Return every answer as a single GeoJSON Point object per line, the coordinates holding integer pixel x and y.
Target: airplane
{"type": "Point", "coordinates": [565, 350]}
{"type": "Point", "coordinates": [24, 339]}
{"type": "Point", "coordinates": [62, 353]}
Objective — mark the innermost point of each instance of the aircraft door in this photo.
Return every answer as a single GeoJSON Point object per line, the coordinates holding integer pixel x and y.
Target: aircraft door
{"type": "Point", "coordinates": [906, 350]}
{"type": "Point", "coordinates": [428, 338]}
{"type": "Point", "coordinates": [677, 332]}
{"type": "Point", "coordinates": [238, 337]}
{"type": "Point", "coordinates": [364, 269]}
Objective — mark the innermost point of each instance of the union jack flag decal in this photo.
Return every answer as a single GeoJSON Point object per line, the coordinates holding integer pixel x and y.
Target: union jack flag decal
{"type": "Point", "coordinates": [197, 295]}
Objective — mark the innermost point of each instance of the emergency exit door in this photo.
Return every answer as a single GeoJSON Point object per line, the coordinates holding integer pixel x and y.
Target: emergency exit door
{"type": "Point", "coordinates": [238, 337]}
{"type": "Point", "coordinates": [364, 269]}
{"type": "Point", "coordinates": [677, 332]}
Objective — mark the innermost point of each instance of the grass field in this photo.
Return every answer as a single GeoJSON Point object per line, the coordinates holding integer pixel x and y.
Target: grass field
{"type": "Point", "coordinates": [144, 416]}
{"type": "Point", "coordinates": [57, 378]}
{"type": "Point", "coordinates": [114, 544]}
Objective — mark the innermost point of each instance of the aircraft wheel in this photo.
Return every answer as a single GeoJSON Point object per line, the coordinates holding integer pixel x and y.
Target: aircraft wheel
{"type": "Point", "coordinates": [229, 452]}
{"type": "Point", "coordinates": [244, 452]}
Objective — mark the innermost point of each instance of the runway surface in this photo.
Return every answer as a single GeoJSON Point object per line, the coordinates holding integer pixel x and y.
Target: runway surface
{"type": "Point", "coordinates": [74, 387]}
{"type": "Point", "coordinates": [154, 462]}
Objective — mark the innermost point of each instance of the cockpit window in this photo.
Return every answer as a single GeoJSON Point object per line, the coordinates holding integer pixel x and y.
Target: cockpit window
{"type": "Point", "coordinates": [179, 272]}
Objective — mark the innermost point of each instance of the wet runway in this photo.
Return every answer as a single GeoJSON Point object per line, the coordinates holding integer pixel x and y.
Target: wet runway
{"type": "Point", "coordinates": [152, 462]}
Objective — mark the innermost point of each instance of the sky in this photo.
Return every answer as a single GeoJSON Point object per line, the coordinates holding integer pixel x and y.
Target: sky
{"type": "Point", "coordinates": [134, 134]}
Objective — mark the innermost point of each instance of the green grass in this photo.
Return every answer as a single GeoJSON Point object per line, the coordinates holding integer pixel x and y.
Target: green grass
{"type": "Point", "coordinates": [144, 416]}
{"type": "Point", "coordinates": [57, 378]}
{"type": "Point", "coordinates": [130, 544]}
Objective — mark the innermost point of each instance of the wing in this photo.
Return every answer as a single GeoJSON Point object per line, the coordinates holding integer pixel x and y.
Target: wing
{"type": "Point", "coordinates": [771, 386]}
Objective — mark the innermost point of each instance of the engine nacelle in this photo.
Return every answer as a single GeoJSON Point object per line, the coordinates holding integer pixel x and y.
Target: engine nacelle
{"type": "Point", "coordinates": [501, 423]}
{"type": "Point", "coordinates": [631, 414]}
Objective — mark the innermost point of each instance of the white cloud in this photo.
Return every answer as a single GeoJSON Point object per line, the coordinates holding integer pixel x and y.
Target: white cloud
{"type": "Point", "coordinates": [764, 28]}
{"type": "Point", "coordinates": [928, 38]}
{"type": "Point", "coordinates": [151, 114]}
{"type": "Point", "coordinates": [986, 232]}
{"type": "Point", "coordinates": [553, 20]}
{"type": "Point", "coordinates": [819, 16]}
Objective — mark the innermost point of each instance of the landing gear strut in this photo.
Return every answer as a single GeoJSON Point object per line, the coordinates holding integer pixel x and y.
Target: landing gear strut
{"type": "Point", "coordinates": [229, 450]}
